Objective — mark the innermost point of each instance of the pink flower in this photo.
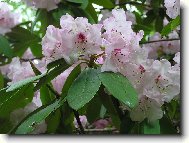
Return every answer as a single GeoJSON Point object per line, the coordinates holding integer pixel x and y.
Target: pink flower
{"type": "Point", "coordinates": [59, 81]}
{"type": "Point", "coordinates": [8, 19]}
{"type": "Point", "coordinates": [173, 8]}
{"type": "Point", "coordinates": [46, 4]}
{"type": "Point", "coordinates": [167, 47]}
{"type": "Point", "coordinates": [147, 108]}
{"type": "Point", "coordinates": [160, 82]}
{"type": "Point", "coordinates": [101, 123]}
{"type": "Point", "coordinates": [83, 120]}
{"type": "Point", "coordinates": [19, 71]}
{"type": "Point", "coordinates": [76, 39]}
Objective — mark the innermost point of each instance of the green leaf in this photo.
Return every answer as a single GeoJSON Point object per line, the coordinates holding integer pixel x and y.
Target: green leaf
{"type": "Point", "coordinates": [159, 24]}
{"type": "Point", "coordinates": [1, 81]}
{"type": "Point", "coordinates": [53, 121]}
{"type": "Point", "coordinates": [36, 117]}
{"type": "Point", "coordinates": [76, 1]}
{"type": "Point", "coordinates": [171, 26]}
{"type": "Point", "coordinates": [6, 126]}
{"type": "Point", "coordinates": [93, 109]}
{"type": "Point", "coordinates": [5, 47]}
{"type": "Point", "coordinates": [36, 49]}
{"type": "Point", "coordinates": [51, 75]}
{"type": "Point", "coordinates": [13, 100]}
{"type": "Point", "coordinates": [166, 126]}
{"type": "Point", "coordinates": [91, 10]}
{"type": "Point", "coordinates": [24, 39]}
{"type": "Point", "coordinates": [104, 3]}
{"type": "Point", "coordinates": [83, 88]}
{"type": "Point", "coordinates": [66, 125]}
{"type": "Point", "coordinates": [45, 95]}
{"type": "Point", "coordinates": [151, 127]}
{"type": "Point", "coordinates": [35, 70]}
{"type": "Point", "coordinates": [121, 88]}
{"type": "Point", "coordinates": [56, 63]}
{"type": "Point", "coordinates": [102, 111]}
{"type": "Point", "coordinates": [21, 83]}
{"type": "Point", "coordinates": [108, 104]}
{"type": "Point", "coordinates": [126, 124]}
{"type": "Point", "coordinates": [72, 76]}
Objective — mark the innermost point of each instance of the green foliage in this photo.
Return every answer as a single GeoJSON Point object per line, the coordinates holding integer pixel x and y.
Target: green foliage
{"type": "Point", "coordinates": [151, 127]}
{"type": "Point", "coordinates": [5, 47]}
{"type": "Point", "coordinates": [83, 88]}
{"type": "Point", "coordinates": [121, 89]}
{"type": "Point", "coordinates": [55, 69]}
{"type": "Point", "coordinates": [70, 79]}
{"type": "Point", "coordinates": [1, 81]}
{"type": "Point", "coordinates": [24, 82]}
{"type": "Point", "coordinates": [23, 39]}
{"type": "Point", "coordinates": [104, 3]}
{"type": "Point", "coordinates": [93, 109]}
{"type": "Point", "coordinates": [21, 97]}
{"type": "Point", "coordinates": [171, 26]}
{"type": "Point", "coordinates": [29, 123]}
{"type": "Point", "coordinates": [108, 104]}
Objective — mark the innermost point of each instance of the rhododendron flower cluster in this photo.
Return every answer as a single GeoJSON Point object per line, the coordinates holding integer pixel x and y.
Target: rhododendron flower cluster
{"type": "Point", "coordinates": [87, 67]}
{"type": "Point", "coordinates": [8, 19]}
{"type": "Point", "coordinates": [76, 39]}
{"type": "Point", "coordinates": [156, 81]}
{"type": "Point", "coordinates": [45, 4]}
{"type": "Point", "coordinates": [172, 8]}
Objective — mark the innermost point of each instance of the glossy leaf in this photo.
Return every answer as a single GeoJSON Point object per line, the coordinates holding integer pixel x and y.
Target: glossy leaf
{"type": "Point", "coordinates": [83, 88]}
{"type": "Point", "coordinates": [121, 88]}
{"type": "Point", "coordinates": [93, 109]}
{"type": "Point", "coordinates": [5, 47]}
{"type": "Point", "coordinates": [72, 76]}
{"type": "Point", "coordinates": [171, 26]}
{"type": "Point", "coordinates": [17, 99]}
{"type": "Point", "coordinates": [151, 127]}
{"type": "Point", "coordinates": [28, 124]}
{"type": "Point", "coordinates": [21, 83]}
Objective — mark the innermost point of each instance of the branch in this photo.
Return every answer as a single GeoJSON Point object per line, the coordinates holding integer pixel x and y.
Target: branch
{"type": "Point", "coordinates": [147, 42]}
{"type": "Point", "coordinates": [79, 122]}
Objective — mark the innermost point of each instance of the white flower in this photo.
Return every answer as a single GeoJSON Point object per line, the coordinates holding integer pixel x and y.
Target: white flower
{"type": "Point", "coordinates": [160, 83]}
{"type": "Point", "coordinates": [19, 71]}
{"type": "Point", "coordinates": [59, 81]}
{"type": "Point", "coordinates": [8, 19]}
{"type": "Point", "coordinates": [173, 8]}
{"type": "Point", "coordinates": [76, 39]}
{"type": "Point", "coordinates": [46, 4]}
{"type": "Point", "coordinates": [147, 108]}
{"type": "Point", "coordinates": [83, 120]}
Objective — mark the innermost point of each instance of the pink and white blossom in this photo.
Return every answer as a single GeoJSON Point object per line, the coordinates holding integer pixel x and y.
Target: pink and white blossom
{"type": "Point", "coordinates": [59, 81]}
{"type": "Point", "coordinates": [8, 19]}
{"type": "Point", "coordinates": [45, 4]}
{"type": "Point", "coordinates": [166, 47]}
{"type": "Point", "coordinates": [173, 8]}
{"type": "Point", "coordinates": [76, 39]}
{"type": "Point", "coordinates": [156, 81]}
{"type": "Point", "coordinates": [83, 120]}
